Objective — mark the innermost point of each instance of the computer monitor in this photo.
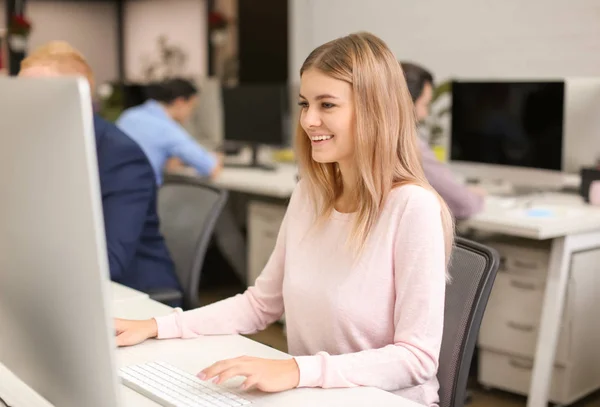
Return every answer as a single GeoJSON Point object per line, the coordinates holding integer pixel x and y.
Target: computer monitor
{"type": "Point", "coordinates": [256, 114]}
{"type": "Point", "coordinates": [508, 123]}
{"type": "Point", "coordinates": [582, 124]}
{"type": "Point", "coordinates": [54, 275]}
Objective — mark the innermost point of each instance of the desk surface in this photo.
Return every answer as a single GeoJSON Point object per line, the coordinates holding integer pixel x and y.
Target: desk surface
{"type": "Point", "coordinates": [121, 293]}
{"type": "Point", "coordinates": [539, 216]}
{"type": "Point", "coordinates": [278, 183]}
{"type": "Point", "coordinates": [193, 355]}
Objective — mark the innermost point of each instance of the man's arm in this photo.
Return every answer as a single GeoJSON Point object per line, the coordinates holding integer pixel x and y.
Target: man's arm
{"type": "Point", "coordinates": [191, 153]}
{"type": "Point", "coordinates": [128, 187]}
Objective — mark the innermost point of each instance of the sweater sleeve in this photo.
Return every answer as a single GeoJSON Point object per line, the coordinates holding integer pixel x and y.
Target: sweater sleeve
{"type": "Point", "coordinates": [420, 279]}
{"type": "Point", "coordinates": [463, 202]}
{"type": "Point", "coordinates": [252, 311]}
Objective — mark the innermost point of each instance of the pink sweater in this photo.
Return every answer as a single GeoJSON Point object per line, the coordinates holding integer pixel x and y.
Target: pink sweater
{"type": "Point", "coordinates": [374, 322]}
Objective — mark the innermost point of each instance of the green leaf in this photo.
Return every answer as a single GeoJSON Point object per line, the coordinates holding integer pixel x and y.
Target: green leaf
{"type": "Point", "coordinates": [441, 89]}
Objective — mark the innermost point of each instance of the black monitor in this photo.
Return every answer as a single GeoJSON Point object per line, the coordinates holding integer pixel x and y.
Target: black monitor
{"type": "Point", "coordinates": [255, 115]}
{"type": "Point", "coordinates": [512, 123]}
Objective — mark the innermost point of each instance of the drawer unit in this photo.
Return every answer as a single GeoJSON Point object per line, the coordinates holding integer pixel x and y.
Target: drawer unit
{"type": "Point", "coordinates": [513, 374]}
{"type": "Point", "coordinates": [512, 317]}
{"type": "Point", "coordinates": [509, 330]}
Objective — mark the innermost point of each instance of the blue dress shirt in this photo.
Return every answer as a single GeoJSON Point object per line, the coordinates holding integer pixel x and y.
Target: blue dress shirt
{"type": "Point", "coordinates": [161, 138]}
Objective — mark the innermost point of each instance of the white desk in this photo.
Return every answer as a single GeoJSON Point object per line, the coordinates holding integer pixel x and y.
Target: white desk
{"type": "Point", "coordinates": [123, 293]}
{"type": "Point", "coordinates": [279, 183]}
{"type": "Point", "coordinates": [193, 355]}
{"type": "Point", "coordinates": [572, 226]}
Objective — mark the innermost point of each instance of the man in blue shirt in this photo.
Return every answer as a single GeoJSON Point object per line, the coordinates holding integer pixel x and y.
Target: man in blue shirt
{"type": "Point", "coordinates": [137, 253]}
{"type": "Point", "coordinates": [156, 126]}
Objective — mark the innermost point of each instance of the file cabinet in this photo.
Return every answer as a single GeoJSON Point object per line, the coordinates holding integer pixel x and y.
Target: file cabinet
{"type": "Point", "coordinates": [508, 334]}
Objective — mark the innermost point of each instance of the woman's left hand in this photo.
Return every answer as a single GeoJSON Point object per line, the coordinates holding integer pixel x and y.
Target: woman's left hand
{"type": "Point", "coordinates": [265, 374]}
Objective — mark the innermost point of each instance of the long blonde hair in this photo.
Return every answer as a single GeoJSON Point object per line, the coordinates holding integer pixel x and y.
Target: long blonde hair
{"type": "Point", "coordinates": [386, 150]}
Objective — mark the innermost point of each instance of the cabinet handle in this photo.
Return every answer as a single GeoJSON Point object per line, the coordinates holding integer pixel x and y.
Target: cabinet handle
{"type": "Point", "coordinates": [522, 285]}
{"type": "Point", "coordinates": [519, 327]}
{"type": "Point", "coordinates": [525, 365]}
{"type": "Point", "coordinates": [519, 263]}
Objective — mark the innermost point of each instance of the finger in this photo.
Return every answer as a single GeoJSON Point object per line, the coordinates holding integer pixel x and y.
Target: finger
{"type": "Point", "coordinates": [218, 367]}
{"type": "Point", "coordinates": [250, 382]}
{"type": "Point", "coordinates": [122, 340]}
{"type": "Point", "coordinates": [237, 370]}
{"type": "Point", "coordinates": [118, 325]}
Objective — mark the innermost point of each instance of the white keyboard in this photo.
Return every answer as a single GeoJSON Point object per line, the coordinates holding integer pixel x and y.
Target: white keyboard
{"type": "Point", "coordinates": [173, 387]}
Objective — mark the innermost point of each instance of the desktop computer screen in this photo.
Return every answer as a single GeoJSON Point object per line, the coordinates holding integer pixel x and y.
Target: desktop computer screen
{"type": "Point", "coordinates": [509, 123]}
{"type": "Point", "coordinates": [56, 334]}
{"type": "Point", "coordinates": [256, 114]}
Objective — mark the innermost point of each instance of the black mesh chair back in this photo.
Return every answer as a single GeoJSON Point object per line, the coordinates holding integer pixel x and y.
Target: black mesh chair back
{"type": "Point", "coordinates": [473, 269]}
{"type": "Point", "coordinates": [188, 209]}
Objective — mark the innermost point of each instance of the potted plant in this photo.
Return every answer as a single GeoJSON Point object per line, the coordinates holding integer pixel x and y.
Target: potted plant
{"type": "Point", "coordinates": [19, 29]}
{"type": "Point", "coordinates": [437, 124]}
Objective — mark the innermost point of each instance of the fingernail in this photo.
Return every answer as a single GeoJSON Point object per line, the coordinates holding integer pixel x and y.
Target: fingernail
{"type": "Point", "coordinates": [201, 376]}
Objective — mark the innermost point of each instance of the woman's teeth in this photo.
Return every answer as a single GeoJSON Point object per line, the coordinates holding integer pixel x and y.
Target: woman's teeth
{"type": "Point", "coordinates": [321, 138]}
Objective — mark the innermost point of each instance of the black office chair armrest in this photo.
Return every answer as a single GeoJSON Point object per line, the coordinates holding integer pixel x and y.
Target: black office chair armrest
{"type": "Point", "coordinates": [166, 296]}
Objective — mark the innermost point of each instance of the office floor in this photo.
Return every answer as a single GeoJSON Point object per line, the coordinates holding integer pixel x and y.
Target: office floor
{"type": "Point", "coordinates": [273, 336]}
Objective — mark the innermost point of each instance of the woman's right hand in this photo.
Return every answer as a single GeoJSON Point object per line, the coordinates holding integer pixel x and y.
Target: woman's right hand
{"type": "Point", "coordinates": [131, 332]}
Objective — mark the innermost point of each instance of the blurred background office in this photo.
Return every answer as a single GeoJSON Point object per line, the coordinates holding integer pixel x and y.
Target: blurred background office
{"type": "Point", "coordinates": [512, 110]}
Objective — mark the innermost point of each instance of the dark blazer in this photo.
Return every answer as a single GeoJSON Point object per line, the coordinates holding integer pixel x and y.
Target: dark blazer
{"type": "Point", "coordinates": [137, 252]}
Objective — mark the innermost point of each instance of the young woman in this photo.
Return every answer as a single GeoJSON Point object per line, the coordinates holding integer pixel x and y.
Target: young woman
{"type": "Point", "coordinates": [361, 258]}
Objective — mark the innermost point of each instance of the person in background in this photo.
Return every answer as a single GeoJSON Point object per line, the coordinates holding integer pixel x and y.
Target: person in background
{"type": "Point", "coordinates": [137, 253]}
{"type": "Point", "coordinates": [464, 201]}
{"type": "Point", "coordinates": [361, 260]}
{"type": "Point", "coordinates": [156, 126]}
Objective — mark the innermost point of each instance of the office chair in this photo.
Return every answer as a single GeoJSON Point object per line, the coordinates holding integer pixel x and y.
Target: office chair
{"type": "Point", "coordinates": [188, 209]}
{"type": "Point", "coordinates": [473, 268]}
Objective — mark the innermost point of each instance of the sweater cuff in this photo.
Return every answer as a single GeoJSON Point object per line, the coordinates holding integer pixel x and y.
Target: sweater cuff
{"type": "Point", "coordinates": [168, 325]}
{"type": "Point", "coordinates": [310, 368]}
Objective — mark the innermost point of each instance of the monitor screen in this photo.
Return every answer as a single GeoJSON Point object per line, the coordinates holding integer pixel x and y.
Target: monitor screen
{"type": "Point", "coordinates": [256, 114]}
{"type": "Point", "coordinates": [508, 123]}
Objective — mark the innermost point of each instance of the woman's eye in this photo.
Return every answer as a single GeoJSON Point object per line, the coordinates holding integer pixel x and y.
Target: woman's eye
{"type": "Point", "coordinates": [327, 105]}
{"type": "Point", "coordinates": [302, 104]}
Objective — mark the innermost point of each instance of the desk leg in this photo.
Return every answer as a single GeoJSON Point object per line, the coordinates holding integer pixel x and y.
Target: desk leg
{"type": "Point", "coordinates": [552, 312]}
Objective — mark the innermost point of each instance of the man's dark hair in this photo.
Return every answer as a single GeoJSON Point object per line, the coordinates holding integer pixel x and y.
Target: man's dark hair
{"type": "Point", "coordinates": [416, 78]}
{"type": "Point", "coordinates": [171, 89]}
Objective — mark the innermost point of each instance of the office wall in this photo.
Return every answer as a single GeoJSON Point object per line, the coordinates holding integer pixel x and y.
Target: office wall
{"type": "Point", "coordinates": [89, 26]}
{"type": "Point", "coordinates": [470, 38]}
{"type": "Point", "coordinates": [182, 21]}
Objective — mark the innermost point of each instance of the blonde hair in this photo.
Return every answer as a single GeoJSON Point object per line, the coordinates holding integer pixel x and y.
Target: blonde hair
{"type": "Point", "coordinates": [386, 149]}
{"type": "Point", "coordinates": [62, 57]}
